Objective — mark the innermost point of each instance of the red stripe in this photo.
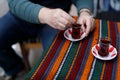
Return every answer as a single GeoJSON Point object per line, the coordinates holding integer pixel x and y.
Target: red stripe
{"type": "Point", "coordinates": [70, 31]}
{"type": "Point", "coordinates": [97, 47]}
{"type": "Point", "coordinates": [94, 52]}
{"type": "Point", "coordinates": [78, 61]}
{"type": "Point", "coordinates": [113, 55]}
{"type": "Point", "coordinates": [49, 58]}
{"type": "Point", "coordinates": [112, 33]}
{"type": "Point", "coordinates": [109, 64]}
{"type": "Point", "coordinates": [111, 49]}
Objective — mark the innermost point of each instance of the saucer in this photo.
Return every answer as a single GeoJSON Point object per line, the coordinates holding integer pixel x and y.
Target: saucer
{"type": "Point", "coordinates": [112, 52]}
{"type": "Point", "coordinates": [68, 35]}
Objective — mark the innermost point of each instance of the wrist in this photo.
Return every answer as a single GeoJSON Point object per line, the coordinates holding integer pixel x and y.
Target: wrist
{"type": "Point", "coordinates": [42, 14]}
{"type": "Point", "coordinates": [85, 11]}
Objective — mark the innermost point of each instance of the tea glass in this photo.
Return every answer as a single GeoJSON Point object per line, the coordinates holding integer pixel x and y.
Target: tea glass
{"type": "Point", "coordinates": [76, 31]}
{"type": "Point", "coordinates": [104, 47]}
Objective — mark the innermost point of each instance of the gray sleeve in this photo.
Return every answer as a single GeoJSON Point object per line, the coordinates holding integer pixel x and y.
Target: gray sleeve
{"type": "Point", "coordinates": [25, 10]}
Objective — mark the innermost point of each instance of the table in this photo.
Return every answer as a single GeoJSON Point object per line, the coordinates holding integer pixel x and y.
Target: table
{"type": "Point", "coordinates": [74, 61]}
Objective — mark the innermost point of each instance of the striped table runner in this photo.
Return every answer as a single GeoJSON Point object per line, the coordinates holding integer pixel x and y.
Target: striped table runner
{"type": "Point", "coordinates": [66, 60]}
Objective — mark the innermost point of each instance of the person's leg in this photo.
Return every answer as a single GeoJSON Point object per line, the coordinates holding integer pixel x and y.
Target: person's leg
{"type": "Point", "coordinates": [47, 34]}
{"type": "Point", "coordinates": [12, 31]}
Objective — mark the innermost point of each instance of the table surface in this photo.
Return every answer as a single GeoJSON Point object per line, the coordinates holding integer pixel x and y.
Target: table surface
{"type": "Point", "coordinates": [74, 60]}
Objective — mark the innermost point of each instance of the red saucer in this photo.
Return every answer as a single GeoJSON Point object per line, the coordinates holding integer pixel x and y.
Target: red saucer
{"type": "Point", "coordinates": [68, 35]}
{"type": "Point", "coordinates": [112, 52]}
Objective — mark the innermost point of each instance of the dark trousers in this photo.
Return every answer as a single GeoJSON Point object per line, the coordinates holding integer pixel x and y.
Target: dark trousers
{"type": "Point", "coordinates": [14, 30]}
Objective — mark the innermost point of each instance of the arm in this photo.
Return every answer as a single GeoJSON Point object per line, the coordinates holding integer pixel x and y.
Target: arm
{"type": "Point", "coordinates": [24, 9]}
{"type": "Point", "coordinates": [35, 13]}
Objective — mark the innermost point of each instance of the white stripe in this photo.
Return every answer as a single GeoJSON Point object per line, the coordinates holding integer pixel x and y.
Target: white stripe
{"type": "Point", "coordinates": [100, 30]}
{"type": "Point", "coordinates": [62, 62]}
{"type": "Point", "coordinates": [92, 69]}
{"type": "Point", "coordinates": [93, 66]}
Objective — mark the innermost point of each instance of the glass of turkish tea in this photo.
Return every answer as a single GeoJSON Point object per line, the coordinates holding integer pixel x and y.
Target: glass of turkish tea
{"type": "Point", "coordinates": [76, 30]}
{"type": "Point", "coordinates": [104, 47]}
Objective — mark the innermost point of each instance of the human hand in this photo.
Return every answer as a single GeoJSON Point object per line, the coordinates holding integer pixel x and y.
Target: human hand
{"type": "Point", "coordinates": [56, 18]}
{"type": "Point", "coordinates": [87, 22]}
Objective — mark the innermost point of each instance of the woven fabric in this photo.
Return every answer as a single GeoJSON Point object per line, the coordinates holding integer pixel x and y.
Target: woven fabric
{"type": "Point", "coordinates": [66, 60]}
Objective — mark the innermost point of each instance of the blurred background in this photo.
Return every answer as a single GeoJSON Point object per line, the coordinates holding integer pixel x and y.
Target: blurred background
{"type": "Point", "coordinates": [34, 53]}
{"type": "Point", "coordinates": [107, 9]}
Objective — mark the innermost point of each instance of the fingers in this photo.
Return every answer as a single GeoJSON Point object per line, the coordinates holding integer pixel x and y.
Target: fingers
{"type": "Point", "coordinates": [56, 18]}
{"type": "Point", "coordinates": [62, 19]}
{"type": "Point", "coordinates": [88, 27]}
{"type": "Point", "coordinates": [88, 23]}
{"type": "Point", "coordinates": [68, 18]}
{"type": "Point", "coordinates": [61, 23]}
{"type": "Point", "coordinates": [93, 25]}
{"type": "Point", "coordinates": [81, 21]}
{"type": "Point", "coordinates": [64, 22]}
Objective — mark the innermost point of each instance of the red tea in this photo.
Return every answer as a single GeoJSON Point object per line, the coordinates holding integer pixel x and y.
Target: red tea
{"type": "Point", "coordinates": [76, 31]}
{"type": "Point", "coordinates": [104, 47]}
